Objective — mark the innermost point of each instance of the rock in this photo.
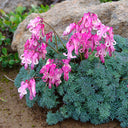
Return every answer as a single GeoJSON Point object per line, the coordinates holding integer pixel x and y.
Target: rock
{"type": "Point", "coordinates": [62, 14]}
{"type": "Point", "coordinates": [10, 5]}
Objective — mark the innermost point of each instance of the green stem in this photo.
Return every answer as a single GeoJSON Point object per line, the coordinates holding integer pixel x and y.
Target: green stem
{"type": "Point", "coordinates": [37, 77]}
{"type": "Point", "coordinates": [124, 79]}
{"type": "Point", "coordinates": [56, 43]}
{"type": "Point", "coordinates": [72, 70]}
{"type": "Point", "coordinates": [80, 56]}
{"type": "Point", "coordinates": [51, 47]}
{"type": "Point", "coordinates": [55, 33]}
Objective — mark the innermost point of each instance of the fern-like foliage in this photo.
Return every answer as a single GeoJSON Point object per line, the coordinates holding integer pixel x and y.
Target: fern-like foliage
{"type": "Point", "coordinates": [95, 92]}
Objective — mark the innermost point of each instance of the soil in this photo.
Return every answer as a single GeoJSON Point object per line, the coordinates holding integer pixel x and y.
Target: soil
{"type": "Point", "coordinates": [15, 114]}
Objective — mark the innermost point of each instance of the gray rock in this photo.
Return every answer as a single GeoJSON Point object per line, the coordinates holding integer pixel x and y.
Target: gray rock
{"type": "Point", "coordinates": [113, 14]}
{"type": "Point", "coordinates": [10, 5]}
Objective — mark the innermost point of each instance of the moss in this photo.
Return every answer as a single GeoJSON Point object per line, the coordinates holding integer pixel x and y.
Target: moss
{"type": "Point", "coordinates": [13, 95]}
{"type": "Point", "coordinates": [11, 88]}
{"type": "Point", "coordinates": [5, 109]}
{"type": "Point", "coordinates": [33, 125]}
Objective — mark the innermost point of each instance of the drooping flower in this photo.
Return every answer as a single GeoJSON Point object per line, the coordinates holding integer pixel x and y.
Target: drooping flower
{"type": "Point", "coordinates": [32, 88]}
{"type": "Point", "coordinates": [31, 85]}
{"type": "Point", "coordinates": [33, 52]}
{"type": "Point", "coordinates": [101, 52]}
{"type": "Point", "coordinates": [51, 74]}
{"type": "Point", "coordinates": [49, 36]}
{"type": "Point", "coordinates": [88, 35]}
{"type": "Point", "coordinates": [36, 27]}
{"type": "Point", "coordinates": [52, 71]}
{"type": "Point", "coordinates": [66, 69]}
{"type": "Point", "coordinates": [69, 29]}
{"type": "Point", "coordinates": [110, 42]}
{"type": "Point", "coordinates": [70, 47]}
{"type": "Point", "coordinates": [22, 89]}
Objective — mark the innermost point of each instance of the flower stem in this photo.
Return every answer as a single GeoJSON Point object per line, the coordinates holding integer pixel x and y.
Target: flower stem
{"type": "Point", "coordinates": [37, 77]}
{"type": "Point", "coordinates": [80, 56]}
{"type": "Point", "coordinates": [56, 43]}
{"type": "Point", "coordinates": [55, 33]}
{"type": "Point", "coordinates": [51, 47]}
{"type": "Point", "coordinates": [124, 79]}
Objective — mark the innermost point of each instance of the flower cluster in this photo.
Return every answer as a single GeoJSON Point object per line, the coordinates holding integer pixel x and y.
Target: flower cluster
{"type": "Point", "coordinates": [89, 34]}
{"type": "Point", "coordinates": [31, 85]}
{"type": "Point", "coordinates": [36, 27]}
{"type": "Point", "coordinates": [52, 73]}
{"type": "Point", "coordinates": [33, 51]}
{"type": "Point", "coordinates": [34, 48]}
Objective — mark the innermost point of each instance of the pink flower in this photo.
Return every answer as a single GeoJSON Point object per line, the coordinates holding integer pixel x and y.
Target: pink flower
{"type": "Point", "coordinates": [42, 50]}
{"type": "Point", "coordinates": [86, 21]}
{"type": "Point", "coordinates": [76, 44]}
{"type": "Point", "coordinates": [86, 42]}
{"type": "Point", "coordinates": [31, 85]}
{"type": "Point", "coordinates": [49, 36]}
{"type": "Point", "coordinates": [86, 54]}
{"type": "Point", "coordinates": [58, 76]}
{"type": "Point", "coordinates": [22, 89]}
{"type": "Point", "coordinates": [33, 52]}
{"type": "Point", "coordinates": [69, 29]}
{"type": "Point", "coordinates": [102, 32]}
{"type": "Point", "coordinates": [32, 88]}
{"type": "Point", "coordinates": [101, 52]}
{"type": "Point", "coordinates": [96, 23]}
{"type": "Point", "coordinates": [70, 47]}
{"type": "Point", "coordinates": [66, 69]}
{"type": "Point", "coordinates": [110, 42]}
{"type": "Point", "coordinates": [35, 27]}
{"type": "Point", "coordinates": [51, 74]}
{"type": "Point", "coordinates": [33, 23]}
{"type": "Point", "coordinates": [90, 34]}
{"type": "Point", "coordinates": [34, 59]}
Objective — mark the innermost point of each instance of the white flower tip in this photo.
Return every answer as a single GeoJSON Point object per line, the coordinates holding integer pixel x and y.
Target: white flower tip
{"type": "Point", "coordinates": [114, 43]}
{"type": "Point", "coordinates": [29, 61]}
{"type": "Point", "coordinates": [36, 62]}
{"type": "Point", "coordinates": [22, 56]}
{"type": "Point", "coordinates": [67, 29]}
{"type": "Point", "coordinates": [96, 55]}
{"type": "Point", "coordinates": [19, 90]}
{"type": "Point", "coordinates": [23, 61]}
{"type": "Point", "coordinates": [107, 44]}
{"type": "Point", "coordinates": [97, 43]}
{"type": "Point", "coordinates": [104, 35]}
{"type": "Point", "coordinates": [65, 54]}
{"type": "Point", "coordinates": [98, 32]}
{"type": "Point", "coordinates": [72, 57]}
{"type": "Point", "coordinates": [108, 28]}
